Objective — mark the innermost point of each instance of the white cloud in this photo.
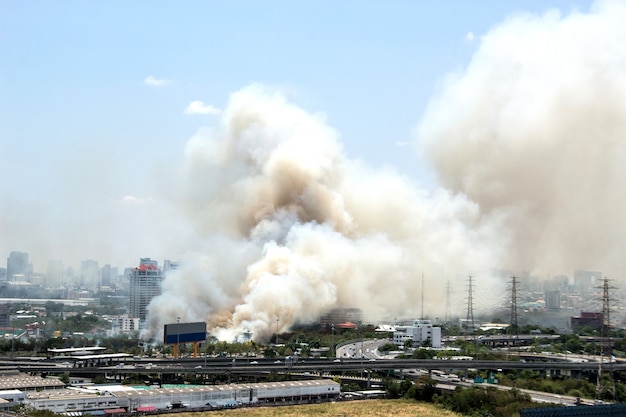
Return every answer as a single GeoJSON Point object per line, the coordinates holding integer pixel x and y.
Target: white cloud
{"type": "Point", "coordinates": [156, 82]}
{"type": "Point", "coordinates": [198, 107]}
{"type": "Point", "coordinates": [469, 36]}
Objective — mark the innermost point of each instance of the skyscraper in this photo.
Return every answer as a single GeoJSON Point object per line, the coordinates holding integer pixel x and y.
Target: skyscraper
{"type": "Point", "coordinates": [145, 284]}
{"type": "Point", "coordinates": [169, 265]}
{"type": "Point", "coordinates": [56, 276]}
{"type": "Point", "coordinates": [108, 276]}
{"type": "Point", "coordinates": [17, 265]}
{"type": "Point", "coordinates": [90, 274]}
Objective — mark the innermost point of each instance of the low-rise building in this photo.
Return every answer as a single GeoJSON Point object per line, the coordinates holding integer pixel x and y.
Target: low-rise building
{"type": "Point", "coordinates": [420, 333]}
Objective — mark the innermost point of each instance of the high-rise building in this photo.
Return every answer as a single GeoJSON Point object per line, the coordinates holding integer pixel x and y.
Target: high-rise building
{"type": "Point", "coordinates": [552, 299]}
{"type": "Point", "coordinates": [145, 284]}
{"type": "Point", "coordinates": [169, 265]}
{"type": "Point", "coordinates": [585, 279]}
{"type": "Point", "coordinates": [108, 276]}
{"type": "Point", "coordinates": [17, 265]}
{"type": "Point", "coordinates": [90, 274]}
{"type": "Point", "coordinates": [55, 275]}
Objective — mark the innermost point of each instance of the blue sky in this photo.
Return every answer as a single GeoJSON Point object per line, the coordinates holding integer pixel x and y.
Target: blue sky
{"type": "Point", "coordinates": [96, 92]}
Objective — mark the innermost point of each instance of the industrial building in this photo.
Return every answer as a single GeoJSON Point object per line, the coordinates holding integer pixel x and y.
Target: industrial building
{"type": "Point", "coordinates": [113, 399]}
{"type": "Point", "coordinates": [12, 379]}
{"type": "Point", "coordinates": [592, 320]}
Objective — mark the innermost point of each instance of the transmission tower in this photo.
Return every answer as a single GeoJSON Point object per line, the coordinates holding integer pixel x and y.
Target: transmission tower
{"type": "Point", "coordinates": [513, 328]}
{"type": "Point", "coordinates": [605, 342]}
{"type": "Point", "coordinates": [469, 320]}
{"type": "Point", "coordinates": [447, 317]}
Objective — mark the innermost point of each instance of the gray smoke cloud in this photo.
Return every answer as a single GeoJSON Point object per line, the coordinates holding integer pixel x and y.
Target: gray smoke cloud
{"type": "Point", "coordinates": [528, 143]}
{"type": "Point", "coordinates": [534, 129]}
{"type": "Point", "coordinates": [291, 228]}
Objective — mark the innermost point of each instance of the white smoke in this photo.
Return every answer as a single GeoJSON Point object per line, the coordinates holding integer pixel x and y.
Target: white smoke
{"type": "Point", "coordinates": [528, 141]}
{"type": "Point", "coordinates": [535, 130]}
{"type": "Point", "coordinates": [292, 228]}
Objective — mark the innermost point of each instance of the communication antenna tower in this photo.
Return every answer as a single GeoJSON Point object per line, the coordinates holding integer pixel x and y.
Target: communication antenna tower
{"type": "Point", "coordinates": [605, 342]}
{"type": "Point", "coordinates": [422, 318]}
{"type": "Point", "coordinates": [447, 318]}
{"type": "Point", "coordinates": [513, 328]}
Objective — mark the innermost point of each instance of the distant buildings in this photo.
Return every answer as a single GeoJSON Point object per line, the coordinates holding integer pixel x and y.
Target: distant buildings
{"type": "Point", "coordinates": [341, 315]}
{"type": "Point", "coordinates": [18, 267]}
{"type": "Point", "coordinates": [145, 284]}
{"type": "Point", "coordinates": [169, 265]}
{"type": "Point", "coordinates": [123, 324]}
{"type": "Point", "coordinates": [552, 299]}
{"type": "Point", "coordinates": [56, 276]}
{"type": "Point", "coordinates": [90, 274]}
{"type": "Point", "coordinates": [587, 319]}
{"type": "Point", "coordinates": [585, 279]}
{"type": "Point", "coordinates": [107, 275]}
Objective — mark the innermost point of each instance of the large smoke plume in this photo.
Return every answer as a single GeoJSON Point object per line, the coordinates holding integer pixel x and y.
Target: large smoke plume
{"type": "Point", "coordinates": [527, 141]}
{"type": "Point", "coordinates": [292, 228]}
{"type": "Point", "coordinates": [535, 130]}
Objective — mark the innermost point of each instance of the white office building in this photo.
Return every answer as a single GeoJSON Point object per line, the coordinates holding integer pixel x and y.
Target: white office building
{"type": "Point", "coordinates": [420, 333]}
{"type": "Point", "coordinates": [145, 284]}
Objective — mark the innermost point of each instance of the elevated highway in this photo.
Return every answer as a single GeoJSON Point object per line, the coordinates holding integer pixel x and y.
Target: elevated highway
{"type": "Point", "coordinates": [261, 366]}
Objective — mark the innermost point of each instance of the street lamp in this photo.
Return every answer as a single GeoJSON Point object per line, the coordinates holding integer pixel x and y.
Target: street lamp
{"type": "Point", "coordinates": [277, 320]}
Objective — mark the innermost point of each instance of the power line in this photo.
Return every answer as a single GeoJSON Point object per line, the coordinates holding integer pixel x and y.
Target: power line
{"type": "Point", "coordinates": [469, 319]}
